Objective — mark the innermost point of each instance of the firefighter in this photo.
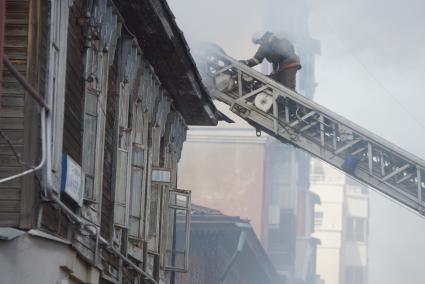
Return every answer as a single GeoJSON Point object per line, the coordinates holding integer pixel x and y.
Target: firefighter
{"type": "Point", "coordinates": [281, 53]}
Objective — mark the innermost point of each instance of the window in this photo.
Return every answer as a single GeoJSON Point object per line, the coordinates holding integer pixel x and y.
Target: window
{"type": "Point", "coordinates": [356, 229]}
{"type": "Point", "coordinates": [125, 164]}
{"type": "Point", "coordinates": [177, 254]}
{"type": "Point", "coordinates": [355, 275]}
{"type": "Point", "coordinates": [56, 93]}
{"type": "Point", "coordinates": [96, 68]}
{"type": "Point", "coordinates": [318, 219]}
{"type": "Point", "coordinates": [138, 174]}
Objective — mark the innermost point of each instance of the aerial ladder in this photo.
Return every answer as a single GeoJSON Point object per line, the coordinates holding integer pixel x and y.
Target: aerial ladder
{"type": "Point", "coordinates": [292, 118]}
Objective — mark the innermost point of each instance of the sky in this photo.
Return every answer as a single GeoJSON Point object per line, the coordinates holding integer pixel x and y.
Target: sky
{"type": "Point", "coordinates": [371, 69]}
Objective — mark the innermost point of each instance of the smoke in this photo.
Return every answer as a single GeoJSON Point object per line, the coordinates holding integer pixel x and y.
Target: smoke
{"type": "Point", "coordinates": [370, 69]}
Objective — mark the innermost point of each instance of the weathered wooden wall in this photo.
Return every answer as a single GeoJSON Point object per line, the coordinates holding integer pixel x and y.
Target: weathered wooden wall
{"type": "Point", "coordinates": [25, 46]}
{"type": "Point", "coordinates": [109, 154]}
{"type": "Point", "coordinates": [119, 122]}
{"type": "Point", "coordinates": [12, 110]}
{"type": "Point", "coordinates": [72, 128]}
{"type": "Point", "coordinates": [37, 76]}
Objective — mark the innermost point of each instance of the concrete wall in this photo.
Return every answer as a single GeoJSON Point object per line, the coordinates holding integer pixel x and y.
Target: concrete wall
{"type": "Point", "coordinates": [28, 260]}
{"type": "Point", "coordinates": [341, 198]}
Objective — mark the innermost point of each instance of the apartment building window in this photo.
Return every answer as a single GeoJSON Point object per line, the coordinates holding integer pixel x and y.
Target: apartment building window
{"type": "Point", "coordinates": [356, 229]}
{"type": "Point", "coordinates": [318, 219]}
{"type": "Point", "coordinates": [355, 275]}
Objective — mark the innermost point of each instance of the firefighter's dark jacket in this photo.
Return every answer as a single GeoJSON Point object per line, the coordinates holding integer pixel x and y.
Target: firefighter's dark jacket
{"type": "Point", "coordinates": [278, 51]}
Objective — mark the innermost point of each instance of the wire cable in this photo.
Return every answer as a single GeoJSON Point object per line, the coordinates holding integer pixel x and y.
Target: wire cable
{"type": "Point", "coordinates": [373, 77]}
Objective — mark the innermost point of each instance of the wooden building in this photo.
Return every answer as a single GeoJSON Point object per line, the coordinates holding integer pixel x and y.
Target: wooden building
{"type": "Point", "coordinates": [117, 88]}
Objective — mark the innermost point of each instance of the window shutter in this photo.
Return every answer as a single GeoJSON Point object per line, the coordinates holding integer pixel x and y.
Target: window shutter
{"type": "Point", "coordinates": [56, 81]}
{"type": "Point", "coordinates": [138, 166]}
{"type": "Point", "coordinates": [129, 61]}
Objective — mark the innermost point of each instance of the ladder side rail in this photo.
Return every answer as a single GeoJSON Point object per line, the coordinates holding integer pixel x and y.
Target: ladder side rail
{"type": "Point", "coordinates": [381, 164]}
{"type": "Point", "coordinates": [320, 109]}
{"type": "Point", "coordinates": [409, 200]}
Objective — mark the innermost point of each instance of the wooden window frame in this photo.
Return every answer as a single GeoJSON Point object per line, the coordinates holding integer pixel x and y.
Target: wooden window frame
{"type": "Point", "coordinates": [58, 44]}
{"type": "Point", "coordinates": [138, 182]}
{"type": "Point", "coordinates": [129, 60]}
{"type": "Point", "coordinates": [171, 252]}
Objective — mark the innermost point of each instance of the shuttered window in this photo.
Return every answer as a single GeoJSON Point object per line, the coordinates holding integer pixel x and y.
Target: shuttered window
{"type": "Point", "coordinates": [57, 76]}
{"type": "Point", "coordinates": [109, 155]}
{"type": "Point", "coordinates": [122, 172]}
{"type": "Point", "coordinates": [90, 139]}
{"type": "Point", "coordinates": [138, 173]}
{"type": "Point", "coordinates": [74, 87]}
{"type": "Point", "coordinates": [156, 194]}
{"type": "Point", "coordinates": [129, 61]}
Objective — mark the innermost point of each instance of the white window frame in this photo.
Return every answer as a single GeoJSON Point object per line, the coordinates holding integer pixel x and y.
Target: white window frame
{"type": "Point", "coordinates": [58, 43]}
{"type": "Point", "coordinates": [95, 99]}
{"type": "Point", "coordinates": [128, 62]}
{"type": "Point", "coordinates": [138, 181]}
{"type": "Point", "coordinates": [171, 252]}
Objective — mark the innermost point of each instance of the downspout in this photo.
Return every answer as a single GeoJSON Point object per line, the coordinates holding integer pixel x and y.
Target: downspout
{"type": "Point", "coordinates": [49, 187]}
{"type": "Point", "coordinates": [43, 113]}
{"type": "Point", "coordinates": [239, 248]}
{"type": "Point", "coordinates": [52, 196]}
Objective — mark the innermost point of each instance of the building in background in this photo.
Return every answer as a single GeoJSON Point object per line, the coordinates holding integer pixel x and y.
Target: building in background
{"type": "Point", "coordinates": [231, 176]}
{"type": "Point", "coordinates": [226, 250]}
{"type": "Point", "coordinates": [341, 224]}
{"type": "Point", "coordinates": [288, 213]}
{"type": "Point", "coordinates": [262, 179]}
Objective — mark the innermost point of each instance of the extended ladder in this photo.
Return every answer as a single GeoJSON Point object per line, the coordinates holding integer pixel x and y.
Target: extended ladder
{"type": "Point", "coordinates": [292, 118]}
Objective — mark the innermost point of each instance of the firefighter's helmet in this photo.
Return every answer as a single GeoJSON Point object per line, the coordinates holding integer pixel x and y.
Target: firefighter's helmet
{"type": "Point", "coordinates": [257, 36]}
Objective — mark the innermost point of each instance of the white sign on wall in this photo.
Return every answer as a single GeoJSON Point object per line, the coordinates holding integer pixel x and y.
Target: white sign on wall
{"type": "Point", "coordinates": [160, 175]}
{"type": "Point", "coordinates": [72, 179]}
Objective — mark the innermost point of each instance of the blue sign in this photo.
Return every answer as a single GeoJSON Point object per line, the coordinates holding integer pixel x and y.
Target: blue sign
{"type": "Point", "coordinates": [72, 179]}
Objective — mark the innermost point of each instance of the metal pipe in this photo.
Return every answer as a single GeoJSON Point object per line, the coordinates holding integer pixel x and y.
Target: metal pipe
{"type": "Point", "coordinates": [173, 248]}
{"type": "Point", "coordinates": [49, 188]}
{"type": "Point", "coordinates": [43, 151]}
{"type": "Point", "coordinates": [120, 270]}
{"type": "Point", "coordinates": [85, 222]}
{"type": "Point", "coordinates": [50, 194]}
{"type": "Point", "coordinates": [22, 80]}
{"type": "Point", "coordinates": [43, 113]}
{"type": "Point", "coordinates": [134, 266]}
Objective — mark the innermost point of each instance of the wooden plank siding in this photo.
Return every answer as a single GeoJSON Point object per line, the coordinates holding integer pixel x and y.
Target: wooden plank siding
{"type": "Point", "coordinates": [135, 127]}
{"type": "Point", "coordinates": [36, 75]}
{"type": "Point", "coordinates": [12, 111]}
{"type": "Point", "coordinates": [107, 209]}
{"type": "Point", "coordinates": [74, 87]}
{"type": "Point", "coordinates": [26, 46]}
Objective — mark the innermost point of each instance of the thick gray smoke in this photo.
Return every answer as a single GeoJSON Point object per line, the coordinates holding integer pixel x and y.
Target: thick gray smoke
{"type": "Point", "coordinates": [371, 69]}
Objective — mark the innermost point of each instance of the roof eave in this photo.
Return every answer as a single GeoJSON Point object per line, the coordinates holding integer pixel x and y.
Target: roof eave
{"type": "Point", "coordinates": [164, 45]}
